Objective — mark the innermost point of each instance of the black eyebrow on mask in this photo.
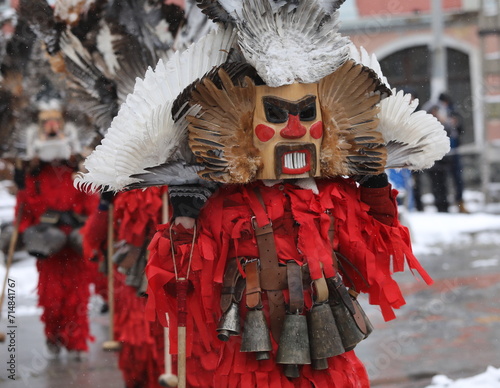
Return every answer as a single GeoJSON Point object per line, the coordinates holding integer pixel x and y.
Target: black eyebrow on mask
{"type": "Point", "coordinates": [292, 107]}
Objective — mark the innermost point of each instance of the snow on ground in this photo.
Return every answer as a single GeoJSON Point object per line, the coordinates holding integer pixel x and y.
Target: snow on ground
{"type": "Point", "coordinates": [431, 233]}
{"type": "Point", "coordinates": [7, 203]}
{"type": "Point", "coordinates": [488, 379]}
{"type": "Point", "coordinates": [23, 270]}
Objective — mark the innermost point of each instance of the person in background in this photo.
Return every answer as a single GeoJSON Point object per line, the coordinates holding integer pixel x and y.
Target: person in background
{"type": "Point", "coordinates": [451, 164]}
{"type": "Point", "coordinates": [52, 211]}
{"type": "Point", "coordinates": [135, 216]}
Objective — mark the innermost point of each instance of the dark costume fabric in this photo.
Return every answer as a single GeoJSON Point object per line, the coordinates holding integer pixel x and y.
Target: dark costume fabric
{"type": "Point", "coordinates": [367, 233]}
{"type": "Point", "coordinates": [141, 355]}
{"type": "Point", "coordinates": [64, 278]}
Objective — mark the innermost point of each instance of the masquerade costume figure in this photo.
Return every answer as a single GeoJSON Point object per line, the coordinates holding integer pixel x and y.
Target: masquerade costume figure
{"type": "Point", "coordinates": [135, 215]}
{"type": "Point", "coordinates": [293, 128]}
{"type": "Point", "coordinates": [52, 211]}
{"type": "Point", "coordinates": [101, 48]}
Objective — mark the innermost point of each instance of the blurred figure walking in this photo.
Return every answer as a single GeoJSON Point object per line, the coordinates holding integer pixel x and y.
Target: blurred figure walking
{"type": "Point", "coordinates": [451, 165]}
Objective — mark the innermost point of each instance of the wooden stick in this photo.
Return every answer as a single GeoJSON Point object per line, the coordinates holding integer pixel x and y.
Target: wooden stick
{"type": "Point", "coordinates": [111, 344]}
{"type": "Point", "coordinates": [181, 286]}
{"type": "Point", "coordinates": [10, 257]}
{"type": "Point", "coordinates": [168, 379]}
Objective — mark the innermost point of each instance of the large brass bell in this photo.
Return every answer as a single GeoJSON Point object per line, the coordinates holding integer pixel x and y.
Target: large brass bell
{"type": "Point", "coordinates": [324, 337]}
{"type": "Point", "coordinates": [293, 347]}
{"type": "Point", "coordinates": [229, 323]}
{"type": "Point", "coordinates": [340, 302]}
{"type": "Point", "coordinates": [255, 337]}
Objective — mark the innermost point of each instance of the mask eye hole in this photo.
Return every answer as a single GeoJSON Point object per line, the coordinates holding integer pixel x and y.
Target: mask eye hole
{"type": "Point", "coordinates": [308, 113]}
{"type": "Point", "coordinates": [274, 113]}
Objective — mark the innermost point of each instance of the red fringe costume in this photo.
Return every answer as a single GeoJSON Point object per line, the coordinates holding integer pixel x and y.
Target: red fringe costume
{"type": "Point", "coordinates": [367, 233]}
{"type": "Point", "coordinates": [64, 278]}
{"type": "Point", "coordinates": [141, 355]}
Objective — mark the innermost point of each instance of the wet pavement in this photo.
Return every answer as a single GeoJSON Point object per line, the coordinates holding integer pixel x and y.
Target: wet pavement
{"type": "Point", "coordinates": [37, 368]}
{"type": "Point", "coordinates": [451, 327]}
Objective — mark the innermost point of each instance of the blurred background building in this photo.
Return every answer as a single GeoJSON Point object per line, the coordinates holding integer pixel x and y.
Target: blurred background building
{"type": "Point", "coordinates": [435, 46]}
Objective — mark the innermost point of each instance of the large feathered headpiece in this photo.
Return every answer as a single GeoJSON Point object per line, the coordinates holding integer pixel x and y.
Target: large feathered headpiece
{"type": "Point", "coordinates": [196, 116]}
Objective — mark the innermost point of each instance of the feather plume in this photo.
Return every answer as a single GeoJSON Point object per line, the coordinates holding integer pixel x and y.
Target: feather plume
{"type": "Point", "coordinates": [330, 5]}
{"type": "Point", "coordinates": [362, 57]}
{"type": "Point", "coordinates": [349, 105]}
{"type": "Point", "coordinates": [96, 92]}
{"type": "Point", "coordinates": [196, 26]}
{"type": "Point", "coordinates": [228, 11]}
{"type": "Point", "coordinates": [215, 11]}
{"type": "Point", "coordinates": [414, 140]}
{"type": "Point", "coordinates": [221, 137]}
{"type": "Point", "coordinates": [144, 134]}
{"type": "Point", "coordinates": [299, 45]}
{"type": "Point", "coordinates": [143, 19]}
{"type": "Point", "coordinates": [70, 11]}
{"type": "Point", "coordinates": [173, 173]}
{"type": "Point", "coordinates": [40, 17]}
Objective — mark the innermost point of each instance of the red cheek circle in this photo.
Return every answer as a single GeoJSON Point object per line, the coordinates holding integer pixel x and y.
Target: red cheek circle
{"type": "Point", "coordinates": [264, 133]}
{"type": "Point", "coordinates": [317, 130]}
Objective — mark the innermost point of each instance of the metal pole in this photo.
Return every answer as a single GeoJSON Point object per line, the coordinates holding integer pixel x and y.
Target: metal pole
{"type": "Point", "coordinates": [439, 75]}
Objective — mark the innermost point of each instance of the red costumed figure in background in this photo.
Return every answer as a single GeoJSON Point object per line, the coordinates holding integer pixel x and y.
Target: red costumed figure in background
{"type": "Point", "coordinates": [136, 213]}
{"type": "Point", "coordinates": [295, 126]}
{"type": "Point", "coordinates": [52, 211]}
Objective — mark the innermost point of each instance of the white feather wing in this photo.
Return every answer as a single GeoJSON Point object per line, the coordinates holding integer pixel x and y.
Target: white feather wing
{"type": "Point", "coordinates": [414, 140]}
{"type": "Point", "coordinates": [362, 57]}
{"type": "Point", "coordinates": [143, 134]}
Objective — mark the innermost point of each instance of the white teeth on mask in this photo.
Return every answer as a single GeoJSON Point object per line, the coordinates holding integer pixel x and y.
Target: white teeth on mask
{"type": "Point", "coordinates": [295, 160]}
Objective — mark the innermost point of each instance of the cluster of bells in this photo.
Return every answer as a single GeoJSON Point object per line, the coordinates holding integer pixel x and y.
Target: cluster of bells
{"type": "Point", "coordinates": [329, 329]}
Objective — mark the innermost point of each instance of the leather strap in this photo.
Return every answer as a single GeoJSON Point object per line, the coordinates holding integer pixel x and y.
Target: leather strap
{"type": "Point", "coordinates": [358, 316]}
{"type": "Point", "coordinates": [331, 235]}
{"type": "Point", "coordinates": [339, 293]}
{"type": "Point", "coordinates": [253, 290]}
{"type": "Point", "coordinates": [294, 275]}
{"type": "Point", "coordinates": [229, 281]}
{"type": "Point", "coordinates": [273, 276]}
{"type": "Point", "coordinates": [276, 312]}
{"type": "Point", "coordinates": [321, 290]}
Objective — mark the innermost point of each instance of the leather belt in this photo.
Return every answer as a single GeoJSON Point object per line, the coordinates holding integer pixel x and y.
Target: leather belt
{"type": "Point", "coordinates": [231, 286]}
{"type": "Point", "coordinates": [253, 290]}
{"type": "Point", "coordinates": [273, 276]}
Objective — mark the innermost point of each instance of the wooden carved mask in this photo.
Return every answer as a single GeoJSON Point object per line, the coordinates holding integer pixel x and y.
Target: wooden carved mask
{"type": "Point", "coordinates": [51, 124]}
{"type": "Point", "coordinates": [288, 131]}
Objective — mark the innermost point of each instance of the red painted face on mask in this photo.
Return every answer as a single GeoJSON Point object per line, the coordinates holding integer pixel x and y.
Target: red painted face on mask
{"type": "Point", "coordinates": [288, 131]}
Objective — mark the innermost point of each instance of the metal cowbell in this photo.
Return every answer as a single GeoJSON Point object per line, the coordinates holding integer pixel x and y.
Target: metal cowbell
{"type": "Point", "coordinates": [229, 323]}
{"type": "Point", "coordinates": [256, 337]}
{"type": "Point", "coordinates": [348, 329]}
{"type": "Point", "coordinates": [294, 341]}
{"type": "Point", "coordinates": [324, 337]}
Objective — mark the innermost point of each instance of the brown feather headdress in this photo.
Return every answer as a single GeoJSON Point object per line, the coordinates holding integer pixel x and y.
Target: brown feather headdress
{"type": "Point", "coordinates": [221, 137]}
{"type": "Point", "coordinates": [349, 100]}
{"type": "Point", "coordinates": [213, 113]}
